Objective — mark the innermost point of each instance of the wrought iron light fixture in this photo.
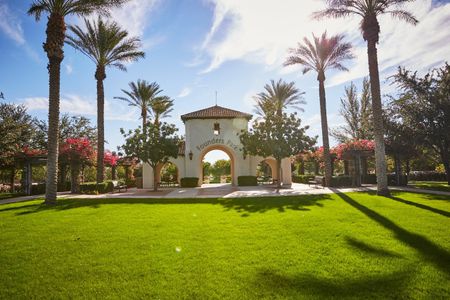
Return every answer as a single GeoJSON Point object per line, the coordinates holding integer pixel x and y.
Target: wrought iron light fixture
{"type": "Point", "coordinates": [190, 155]}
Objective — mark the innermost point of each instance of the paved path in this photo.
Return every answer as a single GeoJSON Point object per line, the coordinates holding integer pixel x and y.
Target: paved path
{"type": "Point", "coordinates": [225, 191]}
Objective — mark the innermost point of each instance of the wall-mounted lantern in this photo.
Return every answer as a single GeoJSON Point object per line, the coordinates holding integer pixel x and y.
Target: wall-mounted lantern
{"type": "Point", "coordinates": [216, 129]}
{"type": "Point", "coordinates": [190, 155]}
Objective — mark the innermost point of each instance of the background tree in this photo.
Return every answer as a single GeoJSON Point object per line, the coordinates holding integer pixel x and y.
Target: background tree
{"type": "Point", "coordinates": [221, 167]}
{"type": "Point", "coordinates": [357, 113]}
{"type": "Point", "coordinates": [107, 45]}
{"type": "Point", "coordinates": [277, 97]}
{"type": "Point", "coordinates": [161, 107]}
{"type": "Point", "coordinates": [141, 95]}
{"type": "Point", "coordinates": [321, 54]}
{"type": "Point", "coordinates": [156, 147]}
{"type": "Point", "coordinates": [277, 137]}
{"type": "Point", "coordinates": [53, 46]}
{"type": "Point", "coordinates": [17, 128]}
{"type": "Point", "coordinates": [424, 107]}
{"type": "Point", "coordinates": [369, 10]}
{"type": "Point", "coordinates": [76, 152]}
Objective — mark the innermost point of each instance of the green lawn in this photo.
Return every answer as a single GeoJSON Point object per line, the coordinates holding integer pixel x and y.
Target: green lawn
{"type": "Point", "coordinates": [354, 245]}
{"type": "Point", "coordinates": [431, 185]}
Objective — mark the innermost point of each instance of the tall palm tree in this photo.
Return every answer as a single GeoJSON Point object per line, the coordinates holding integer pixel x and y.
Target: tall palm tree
{"type": "Point", "coordinates": [53, 46]}
{"type": "Point", "coordinates": [278, 96]}
{"type": "Point", "coordinates": [141, 95]}
{"type": "Point", "coordinates": [369, 10]}
{"type": "Point", "coordinates": [107, 45]}
{"type": "Point", "coordinates": [321, 54]}
{"type": "Point", "coordinates": [161, 107]}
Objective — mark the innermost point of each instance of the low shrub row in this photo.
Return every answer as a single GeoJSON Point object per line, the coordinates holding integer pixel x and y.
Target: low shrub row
{"type": "Point", "coordinates": [189, 182]}
{"type": "Point", "coordinates": [302, 178]}
{"type": "Point", "coordinates": [38, 189]}
{"type": "Point", "coordinates": [96, 188]}
{"type": "Point", "coordinates": [427, 176]}
{"type": "Point", "coordinates": [247, 180]}
{"type": "Point", "coordinates": [340, 181]}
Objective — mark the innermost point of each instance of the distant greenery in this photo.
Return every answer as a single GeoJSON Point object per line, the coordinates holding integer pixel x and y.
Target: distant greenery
{"type": "Point", "coordinates": [355, 245]}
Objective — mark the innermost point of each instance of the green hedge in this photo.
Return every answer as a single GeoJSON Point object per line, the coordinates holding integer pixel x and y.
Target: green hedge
{"type": "Point", "coordinates": [247, 181]}
{"type": "Point", "coordinates": [189, 182]}
{"type": "Point", "coordinates": [38, 189]}
{"type": "Point", "coordinates": [94, 188]}
{"type": "Point", "coordinates": [392, 180]}
{"type": "Point", "coordinates": [339, 181]}
{"type": "Point", "coordinates": [427, 176]}
{"type": "Point", "coordinates": [302, 178]}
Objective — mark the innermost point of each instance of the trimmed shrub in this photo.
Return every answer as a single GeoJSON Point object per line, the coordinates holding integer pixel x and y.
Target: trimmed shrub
{"type": "Point", "coordinates": [64, 186]}
{"type": "Point", "coordinates": [247, 181]}
{"type": "Point", "coordinates": [131, 183]}
{"type": "Point", "coordinates": [94, 188]}
{"type": "Point", "coordinates": [339, 181]}
{"type": "Point", "coordinates": [38, 189]}
{"type": "Point", "coordinates": [369, 179]}
{"type": "Point", "coordinates": [302, 178]}
{"type": "Point", "coordinates": [392, 180]}
{"type": "Point", "coordinates": [189, 182]}
{"type": "Point", "coordinates": [427, 176]}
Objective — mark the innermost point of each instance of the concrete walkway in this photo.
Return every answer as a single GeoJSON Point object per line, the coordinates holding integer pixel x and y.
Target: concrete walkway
{"type": "Point", "coordinates": [225, 191]}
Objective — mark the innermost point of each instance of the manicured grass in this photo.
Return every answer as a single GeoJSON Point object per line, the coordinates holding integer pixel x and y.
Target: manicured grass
{"type": "Point", "coordinates": [354, 245]}
{"type": "Point", "coordinates": [431, 185]}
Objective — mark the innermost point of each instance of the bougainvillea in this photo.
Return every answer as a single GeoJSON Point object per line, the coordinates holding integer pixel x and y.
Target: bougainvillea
{"type": "Point", "coordinates": [30, 152]}
{"type": "Point", "coordinates": [361, 145]}
{"type": "Point", "coordinates": [76, 150]}
{"type": "Point", "coordinates": [110, 158]}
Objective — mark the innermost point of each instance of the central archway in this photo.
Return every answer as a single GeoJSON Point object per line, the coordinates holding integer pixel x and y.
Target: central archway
{"type": "Point", "coordinates": [227, 151]}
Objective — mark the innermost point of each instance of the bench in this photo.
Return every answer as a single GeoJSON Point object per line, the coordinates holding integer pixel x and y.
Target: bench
{"type": "Point", "coordinates": [167, 184]}
{"type": "Point", "coordinates": [318, 180]}
{"type": "Point", "coordinates": [118, 186]}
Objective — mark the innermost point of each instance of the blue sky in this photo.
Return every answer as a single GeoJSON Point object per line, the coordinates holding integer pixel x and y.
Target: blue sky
{"type": "Point", "coordinates": [196, 47]}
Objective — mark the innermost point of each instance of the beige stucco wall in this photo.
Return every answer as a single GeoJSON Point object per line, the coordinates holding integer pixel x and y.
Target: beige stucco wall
{"type": "Point", "coordinates": [200, 139]}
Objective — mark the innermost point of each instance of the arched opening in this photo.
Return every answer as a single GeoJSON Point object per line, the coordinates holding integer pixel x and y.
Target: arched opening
{"type": "Point", "coordinates": [168, 175]}
{"type": "Point", "coordinates": [266, 171]}
{"type": "Point", "coordinates": [217, 166]}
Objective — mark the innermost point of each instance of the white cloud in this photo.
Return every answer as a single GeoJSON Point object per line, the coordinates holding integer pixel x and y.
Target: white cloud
{"type": "Point", "coordinates": [184, 92]}
{"type": "Point", "coordinates": [76, 105]}
{"type": "Point", "coordinates": [261, 31]}
{"type": "Point", "coordinates": [69, 69]}
{"type": "Point", "coordinates": [10, 25]}
{"type": "Point", "coordinates": [134, 17]}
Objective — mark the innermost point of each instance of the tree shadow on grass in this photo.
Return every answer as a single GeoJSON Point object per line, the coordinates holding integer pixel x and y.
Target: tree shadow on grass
{"type": "Point", "coordinates": [246, 206]}
{"type": "Point", "coordinates": [422, 206]}
{"type": "Point", "coordinates": [240, 205]}
{"type": "Point", "coordinates": [431, 252]}
{"type": "Point", "coordinates": [369, 249]}
{"type": "Point", "coordinates": [311, 286]}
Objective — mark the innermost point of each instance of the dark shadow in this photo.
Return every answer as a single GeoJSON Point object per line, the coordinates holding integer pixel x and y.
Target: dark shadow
{"type": "Point", "coordinates": [422, 206]}
{"type": "Point", "coordinates": [366, 248]}
{"type": "Point", "coordinates": [240, 205]}
{"type": "Point", "coordinates": [309, 285]}
{"type": "Point", "coordinates": [427, 249]}
{"type": "Point", "coordinates": [281, 204]}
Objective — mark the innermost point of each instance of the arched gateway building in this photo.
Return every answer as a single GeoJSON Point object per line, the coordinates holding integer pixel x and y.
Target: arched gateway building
{"type": "Point", "coordinates": [216, 128]}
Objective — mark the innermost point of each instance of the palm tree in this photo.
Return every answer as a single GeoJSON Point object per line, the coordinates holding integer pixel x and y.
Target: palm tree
{"type": "Point", "coordinates": [320, 55]}
{"type": "Point", "coordinates": [278, 96]}
{"type": "Point", "coordinates": [141, 95]}
{"type": "Point", "coordinates": [369, 10]}
{"type": "Point", "coordinates": [107, 45]}
{"type": "Point", "coordinates": [53, 46]}
{"type": "Point", "coordinates": [160, 108]}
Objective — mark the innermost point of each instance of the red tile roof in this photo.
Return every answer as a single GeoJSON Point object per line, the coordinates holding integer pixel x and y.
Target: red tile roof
{"type": "Point", "coordinates": [215, 112]}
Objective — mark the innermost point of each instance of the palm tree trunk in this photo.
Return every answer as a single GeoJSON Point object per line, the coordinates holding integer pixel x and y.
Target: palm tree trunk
{"type": "Point", "coordinates": [325, 139]}
{"type": "Point", "coordinates": [54, 47]}
{"type": "Point", "coordinates": [144, 121]}
{"type": "Point", "coordinates": [100, 76]}
{"type": "Point", "coordinates": [380, 159]}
